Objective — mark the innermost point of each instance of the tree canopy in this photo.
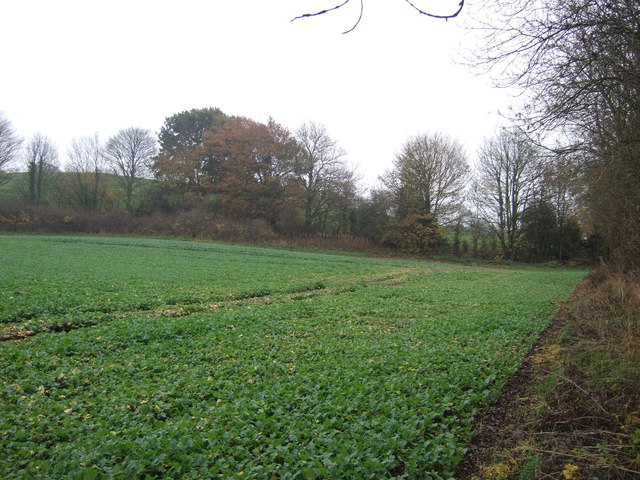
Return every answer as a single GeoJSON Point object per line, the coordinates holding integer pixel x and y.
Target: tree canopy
{"type": "Point", "coordinates": [181, 159]}
{"type": "Point", "coordinates": [428, 176]}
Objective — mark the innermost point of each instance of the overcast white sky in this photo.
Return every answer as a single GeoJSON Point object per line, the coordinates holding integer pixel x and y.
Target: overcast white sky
{"type": "Point", "coordinates": [70, 68]}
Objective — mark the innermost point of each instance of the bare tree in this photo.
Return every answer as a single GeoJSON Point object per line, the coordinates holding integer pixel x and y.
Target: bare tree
{"type": "Point", "coordinates": [86, 161]}
{"type": "Point", "coordinates": [578, 61]}
{"type": "Point", "coordinates": [507, 174]}
{"type": "Point", "coordinates": [9, 146]}
{"type": "Point", "coordinates": [41, 162]}
{"type": "Point", "coordinates": [129, 155]}
{"type": "Point", "coordinates": [323, 173]}
{"type": "Point", "coordinates": [428, 176]}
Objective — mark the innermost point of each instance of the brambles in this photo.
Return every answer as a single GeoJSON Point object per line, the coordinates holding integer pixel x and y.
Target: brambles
{"type": "Point", "coordinates": [212, 361]}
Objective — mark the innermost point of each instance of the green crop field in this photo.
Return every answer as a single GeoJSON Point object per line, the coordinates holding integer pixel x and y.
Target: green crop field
{"type": "Point", "coordinates": [139, 358]}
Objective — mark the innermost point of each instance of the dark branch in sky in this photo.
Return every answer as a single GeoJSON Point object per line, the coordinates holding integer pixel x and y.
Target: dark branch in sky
{"type": "Point", "coordinates": [445, 17]}
{"type": "Point", "coordinates": [322, 12]}
{"type": "Point", "coordinates": [422, 12]}
{"type": "Point", "coordinates": [359, 18]}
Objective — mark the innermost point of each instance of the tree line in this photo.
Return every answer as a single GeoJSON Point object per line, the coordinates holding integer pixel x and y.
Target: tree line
{"type": "Point", "coordinates": [578, 62]}
{"type": "Point", "coordinates": [516, 203]}
{"type": "Point", "coordinates": [561, 183]}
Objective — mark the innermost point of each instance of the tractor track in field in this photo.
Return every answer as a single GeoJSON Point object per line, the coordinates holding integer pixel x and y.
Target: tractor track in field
{"type": "Point", "coordinates": [16, 331]}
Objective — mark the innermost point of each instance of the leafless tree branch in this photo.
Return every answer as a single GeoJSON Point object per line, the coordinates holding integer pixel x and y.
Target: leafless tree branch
{"type": "Point", "coordinates": [322, 12]}
{"type": "Point", "coordinates": [444, 17]}
{"type": "Point", "coordinates": [422, 12]}
{"type": "Point", "coordinates": [359, 18]}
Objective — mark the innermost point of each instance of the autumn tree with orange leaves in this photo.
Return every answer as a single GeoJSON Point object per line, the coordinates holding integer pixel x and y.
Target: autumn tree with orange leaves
{"type": "Point", "coordinates": [251, 161]}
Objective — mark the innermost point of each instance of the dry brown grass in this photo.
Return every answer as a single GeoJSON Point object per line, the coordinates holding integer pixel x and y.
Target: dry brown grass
{"type": "Point", "coordinates": [591, 428]}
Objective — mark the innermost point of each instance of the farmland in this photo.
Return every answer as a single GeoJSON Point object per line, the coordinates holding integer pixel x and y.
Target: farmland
{"type": "Point", "coordinates": [140, 358]}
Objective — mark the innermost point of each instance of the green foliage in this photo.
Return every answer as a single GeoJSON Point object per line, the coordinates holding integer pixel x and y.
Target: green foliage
{"type": "Point", "coordinates": [415, 234]}
{"type": "Point", "coordinates": [184, 130]}
{"type": "Point", "coordinates": [181, 160]}
{"type": "Point", "coordinates": [213, 361]}
{"type": "Point", "coordinates": [531, 469]}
